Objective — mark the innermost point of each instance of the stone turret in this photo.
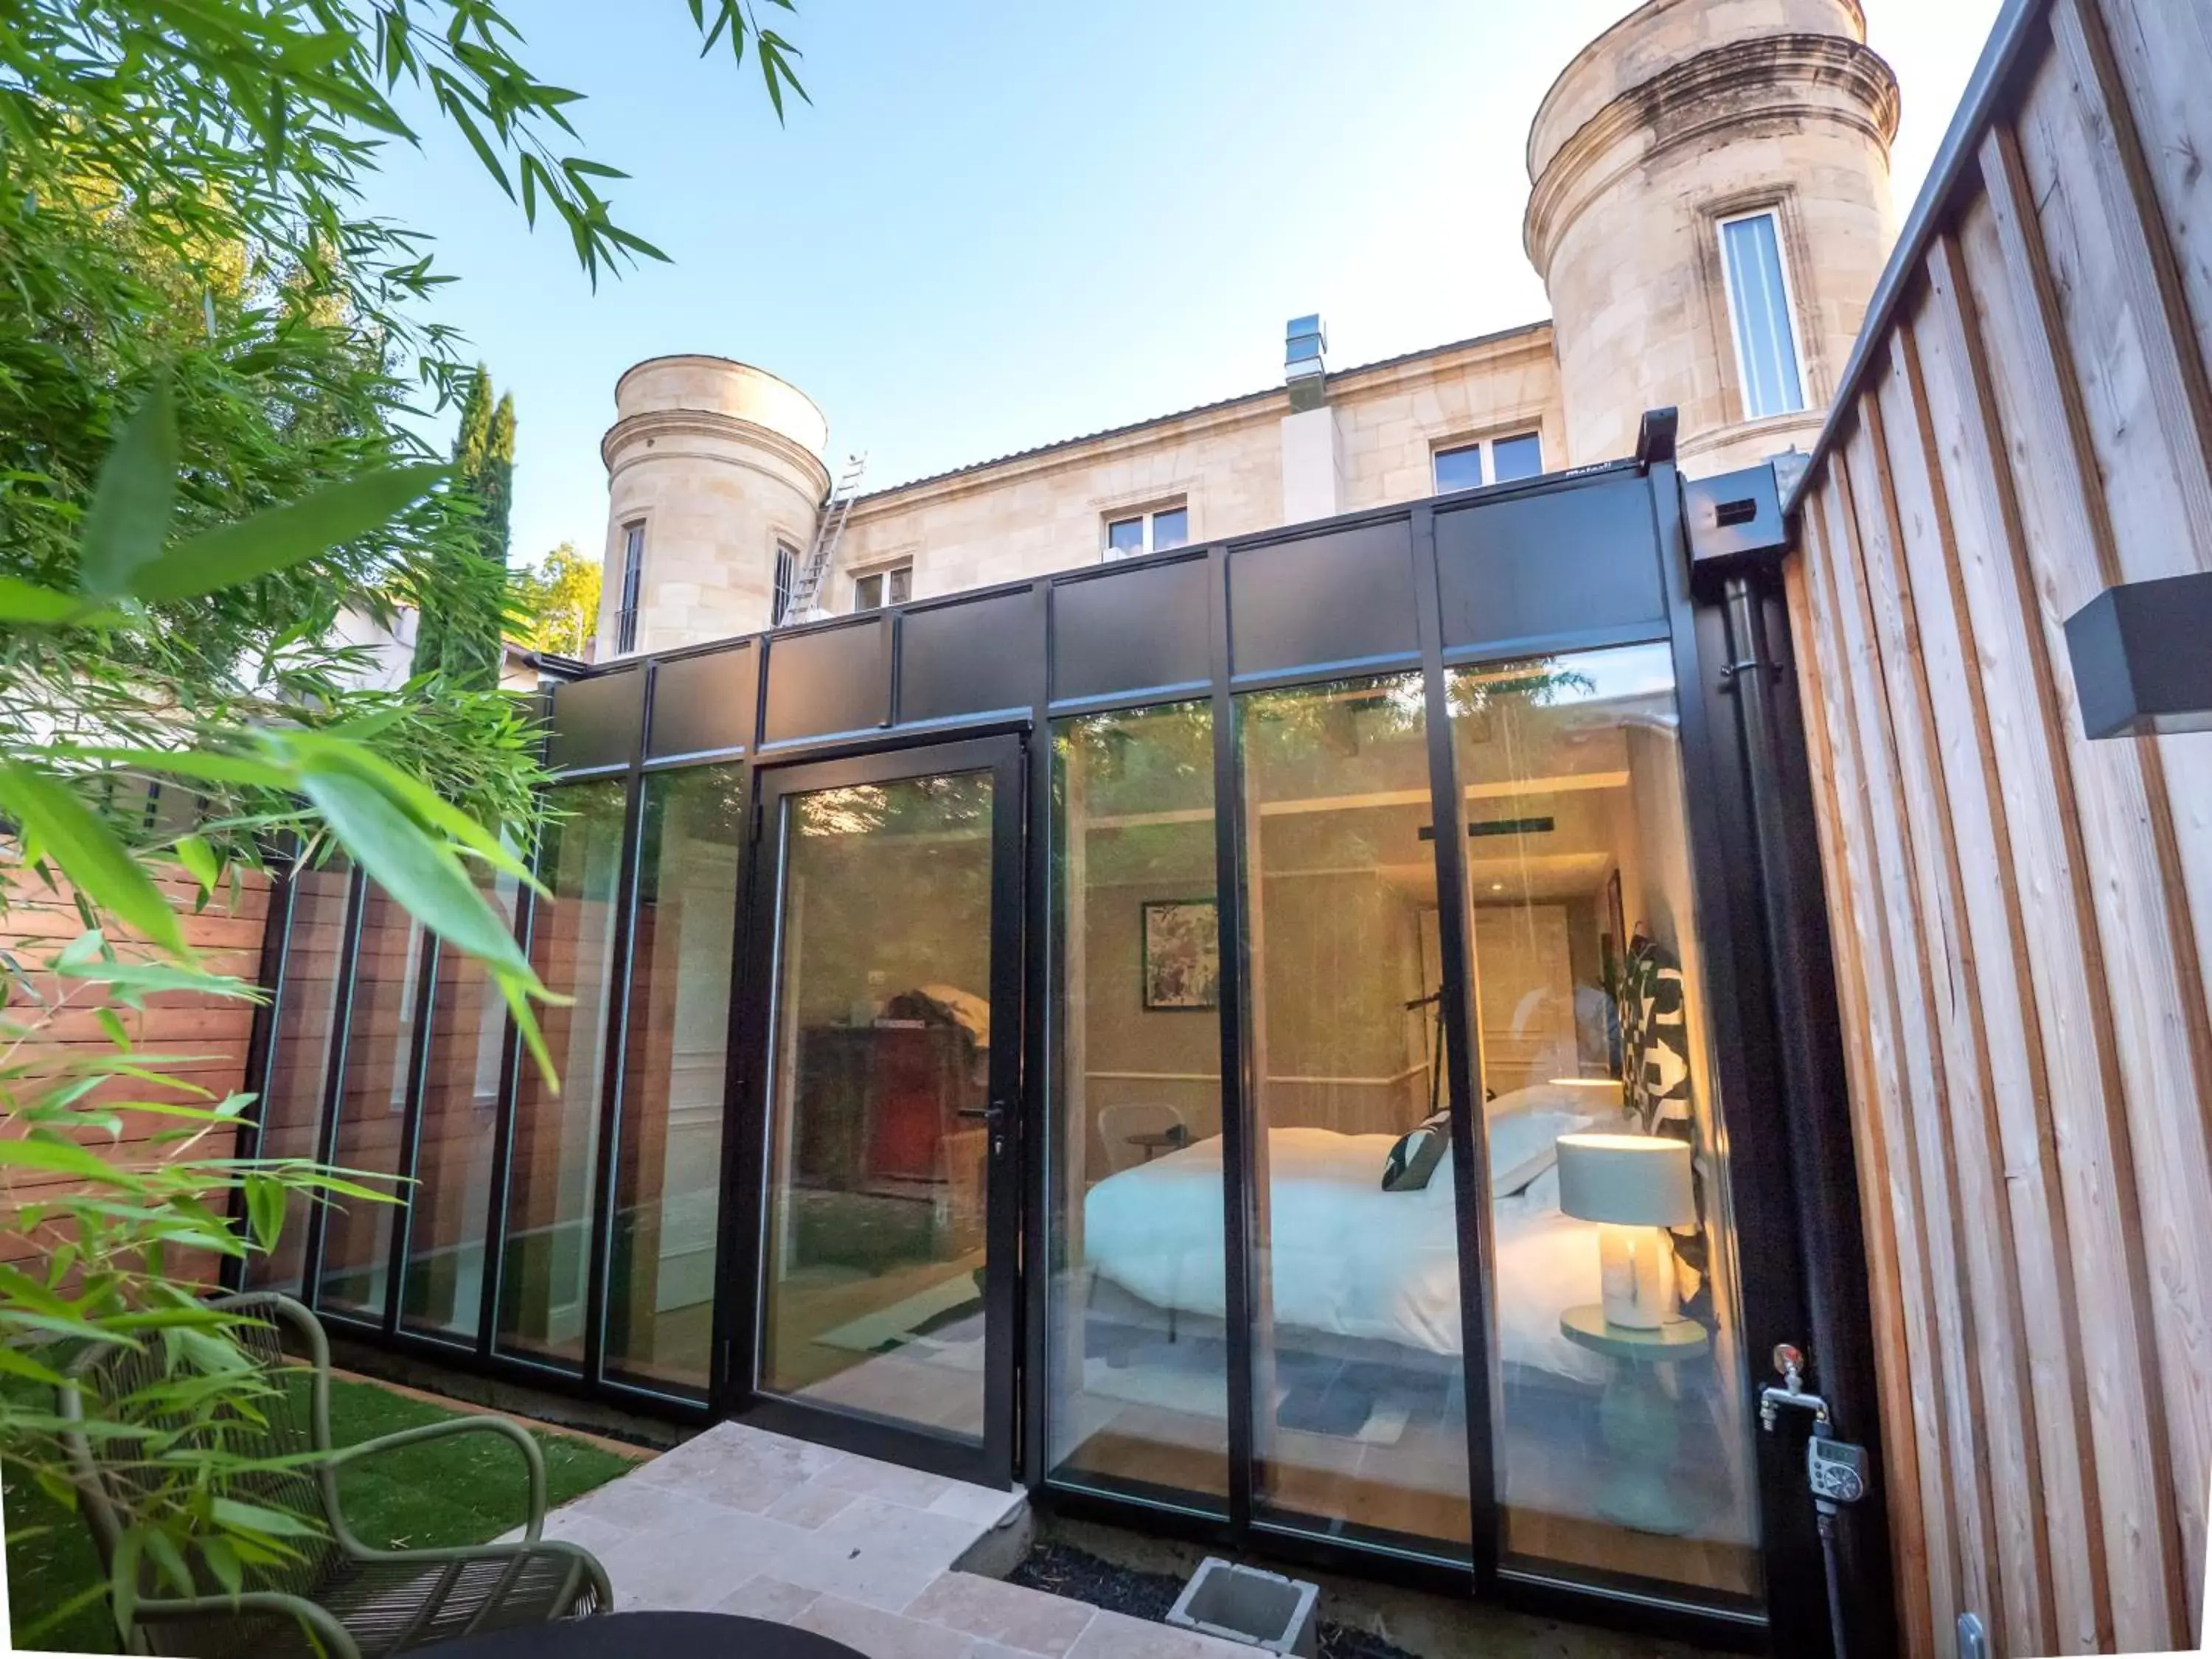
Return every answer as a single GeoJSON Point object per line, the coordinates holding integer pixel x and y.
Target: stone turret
{"type": "Point", "coordinates": [716, 466]}
{"type": "Point", "coordinates": [1654, 158]}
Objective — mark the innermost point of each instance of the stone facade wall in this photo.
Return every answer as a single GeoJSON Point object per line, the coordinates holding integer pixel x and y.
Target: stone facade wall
{"type": "Point", "coordinates": [720, 461]}
{"type": "Point", "coordinates": [1047, 509]}
{"type": "Point", "coordinates": [1683, 114]}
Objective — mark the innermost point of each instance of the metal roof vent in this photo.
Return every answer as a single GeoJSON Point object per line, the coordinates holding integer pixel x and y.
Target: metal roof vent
{"type": "Point", "coordinates": [1303, 370]}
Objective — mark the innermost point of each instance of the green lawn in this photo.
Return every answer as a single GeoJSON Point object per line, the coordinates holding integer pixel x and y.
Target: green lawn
{"type": "Point", "coordinates": [467, 1490]}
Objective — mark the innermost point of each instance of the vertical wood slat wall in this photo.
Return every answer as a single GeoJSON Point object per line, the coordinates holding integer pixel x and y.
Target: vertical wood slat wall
{"type": "Point", "coordinates": [2023, 917]}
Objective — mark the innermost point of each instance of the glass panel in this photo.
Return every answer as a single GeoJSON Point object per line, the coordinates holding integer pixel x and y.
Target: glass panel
{"type": "Point", "coordinates": [373, 1105]}
{"type": "Point", "coordinates": [668, 1167]}
{"type": "Point", "coordinates": [1124, 538]}
{"type": "Point", "coordinates": [1170, 528]}
{"type": "Point", "coordinates": [868, 593]}
{"type": "Point", "coordinates": [1358, 1376]}
{"type": "Point", "coordinates": [1519, 456]}
{"type": "Point", "coordinates": [443, 1290]}
{"type": "Point", "coordinates": [1760, 303]}
{"type": "Point", "coordinates": [900, 583]}
{"type": "Point", "coordinates": [291, 1106]}
{"type": "Point", "coordinates": [1459, 469]}
{"type": "Point", "coordinates": [1138, 1361]}
{"type": "Point", "coordinates": [1624, 1448]}
{"type": "Point", "coordinates": [545, 1256]}
{"type": "Point", "coordinates": [875, 1253]}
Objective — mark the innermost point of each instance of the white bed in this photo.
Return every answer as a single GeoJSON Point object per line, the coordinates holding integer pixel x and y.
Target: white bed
{"type": "Point", "coordinates": [1350, 1260]}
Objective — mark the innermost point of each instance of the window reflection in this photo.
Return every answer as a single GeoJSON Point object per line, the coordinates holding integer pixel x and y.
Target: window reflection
{"type": "Point", "coordinates": [1138, 1361]}
{"type": "Point", "coordinates": [545, 1256]}
{"type": "Point", "coordinates": [291, 1105]}
{"type": "Point", "coordinates": [443, 1292]}
{"type": "Point", "coordinates": [877, 1144]}
{"type": "Point", "coordinates": [1622, 1448]}
{"type": "Point", "coordinates": [372, 1106]}
{"type": "Point", "coordinates": [668, 1169]}
{"type": "Point", "coordinates": [1358, 1376]}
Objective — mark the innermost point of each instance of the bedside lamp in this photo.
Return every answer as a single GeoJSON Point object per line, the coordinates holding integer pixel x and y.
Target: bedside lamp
{"type": "Point", "coordinates": [1634, 1187]}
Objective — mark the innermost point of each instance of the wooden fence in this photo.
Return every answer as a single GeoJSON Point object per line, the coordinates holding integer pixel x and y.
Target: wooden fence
{"type": "Point", "coordinates": [214, 1031]}
{"type": "Point", "coordinates": [2023, 917]}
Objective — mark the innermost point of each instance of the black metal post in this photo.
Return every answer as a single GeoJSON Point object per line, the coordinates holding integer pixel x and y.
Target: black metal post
{"type": "Point", "coordinates": [1462, 1058]}
{"type": "Point", "coordinates": [1243, 1162]}
{"type": "Point", "coordinates": [1829, 1223]}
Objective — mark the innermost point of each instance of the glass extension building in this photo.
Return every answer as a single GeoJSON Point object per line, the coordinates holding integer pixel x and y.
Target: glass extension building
{"type": "Point", "coordinates": [1114, 1033]}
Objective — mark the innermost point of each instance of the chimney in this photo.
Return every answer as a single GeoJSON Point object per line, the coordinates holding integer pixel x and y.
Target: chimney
{"type": "Point", "coordinates": [1313, 448]}
{"type": "Point", "coordinates": [1303, 370]}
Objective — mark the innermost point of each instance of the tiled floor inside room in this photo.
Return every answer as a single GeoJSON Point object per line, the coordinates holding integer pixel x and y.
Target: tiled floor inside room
{"type": "Point", "coordinates": [897, 1565]}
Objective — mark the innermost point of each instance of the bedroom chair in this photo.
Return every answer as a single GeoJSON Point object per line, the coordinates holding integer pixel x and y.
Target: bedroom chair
{"type": "Point", "coordinates": [339, 1597]}
{"type": "Point", "coordinates": [1118, 1125]}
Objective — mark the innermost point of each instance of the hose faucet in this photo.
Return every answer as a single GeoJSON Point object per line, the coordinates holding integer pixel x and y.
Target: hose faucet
{"type": "Point", "coordinates": [1791, 1393]}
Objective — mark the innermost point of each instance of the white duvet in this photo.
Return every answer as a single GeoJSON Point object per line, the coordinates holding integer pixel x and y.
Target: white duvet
{"type": "Point", "coordinates": [1349, 1259]}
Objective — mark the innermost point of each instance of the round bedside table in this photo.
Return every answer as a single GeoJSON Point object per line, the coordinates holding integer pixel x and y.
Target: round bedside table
{"type": "Point", "coordinates": [1637, 1419]}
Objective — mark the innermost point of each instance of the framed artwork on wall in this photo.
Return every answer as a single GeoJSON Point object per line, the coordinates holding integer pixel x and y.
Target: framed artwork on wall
{"type": "Point", "coordinates": [1182, 954]}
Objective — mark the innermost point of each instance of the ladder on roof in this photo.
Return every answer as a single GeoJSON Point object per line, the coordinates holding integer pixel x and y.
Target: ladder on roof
{"type": "Point", "coordinates": [805, 602]}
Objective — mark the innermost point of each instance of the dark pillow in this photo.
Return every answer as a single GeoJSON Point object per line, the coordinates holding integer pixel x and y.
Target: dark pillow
{"type": "Point", "coordinates": [1416, 1154]}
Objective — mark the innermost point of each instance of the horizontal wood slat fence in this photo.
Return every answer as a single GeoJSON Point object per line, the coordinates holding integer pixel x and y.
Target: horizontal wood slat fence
{"type": "Point", "coordinates": [216, 1031]}
{"type": "Point", "coordinates": [2023, 917]}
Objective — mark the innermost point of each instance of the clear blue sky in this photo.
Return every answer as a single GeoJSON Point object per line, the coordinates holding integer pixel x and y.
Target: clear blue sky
{"type": "Point", "coordinates": [1000, 224]}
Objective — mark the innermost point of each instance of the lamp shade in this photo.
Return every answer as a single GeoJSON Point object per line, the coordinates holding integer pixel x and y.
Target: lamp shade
{"type": "Point", "coordinates": [1631, 1180]}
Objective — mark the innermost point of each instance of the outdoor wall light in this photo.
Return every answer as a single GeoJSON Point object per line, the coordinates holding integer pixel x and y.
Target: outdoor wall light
{"type": "Point", "coordinates": [2142, 657]}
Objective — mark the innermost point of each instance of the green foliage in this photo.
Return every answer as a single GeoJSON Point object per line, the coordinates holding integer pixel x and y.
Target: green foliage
{"type": "Point", "coordinates": [452, 1492]}
{"type": "Point", "coordinates": [114, 1224]}
{"type": "Point", "coordinates": [556, 605]}
{"type": "Point", "coordinates": [208, 362]}
{"type": "Point", "coordinates": [462, 604]}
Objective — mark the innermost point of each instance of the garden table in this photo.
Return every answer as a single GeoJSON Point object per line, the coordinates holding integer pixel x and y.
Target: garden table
{"type": "Point", "coordinates": [648, 1635]}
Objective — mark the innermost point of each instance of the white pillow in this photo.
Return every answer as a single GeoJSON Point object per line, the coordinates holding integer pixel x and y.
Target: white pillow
{"type": "Point", "coordinates": [1525, 1143]}
{"type": "Point", "coordinates": [1581, 1099]}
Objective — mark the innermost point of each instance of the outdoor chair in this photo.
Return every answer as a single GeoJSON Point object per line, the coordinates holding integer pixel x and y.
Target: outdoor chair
{"type": "Point", "coordinates": [340, 1597]}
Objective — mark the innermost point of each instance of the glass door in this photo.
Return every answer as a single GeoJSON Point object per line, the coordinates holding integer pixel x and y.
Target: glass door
{"type": "Point", "coordinates": [893, 1072]}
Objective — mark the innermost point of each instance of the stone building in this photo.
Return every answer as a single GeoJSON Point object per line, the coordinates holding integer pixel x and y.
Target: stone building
{"type": "Point", "coordinates": [1709, 212]}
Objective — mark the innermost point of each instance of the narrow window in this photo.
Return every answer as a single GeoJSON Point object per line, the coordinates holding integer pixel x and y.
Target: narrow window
{"type": "Point", "coordinates": [632, 580]}
{"type": "Point", "coordinates": [1760, 306]}
{"type": "Point", "coordinates": [1170, 528]}
{"type": "Point", "coordinates": [868, 593]}
{"type": "Point", "coordinates": [1125, 539]}
{"type": "Point", "coordinates": [786, 572]}
{"type": "Point", "coordinates": [900, 583]}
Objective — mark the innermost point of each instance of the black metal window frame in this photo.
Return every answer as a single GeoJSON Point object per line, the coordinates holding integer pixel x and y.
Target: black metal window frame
{"type": "Point", "coordinates": [1514, 582]}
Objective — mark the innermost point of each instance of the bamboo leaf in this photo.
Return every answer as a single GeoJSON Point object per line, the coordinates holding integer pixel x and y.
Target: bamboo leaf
{"type": "Point", "coordinates": [283, 536]}
{"type": "Point", "coordinates": [200, 861]}
{"type": "Point", "coordinates": [87, 852]}
{"type": "Point", "coordinates": [128, 519]}
{"type": "Point", "coordinates": [265, 1210]}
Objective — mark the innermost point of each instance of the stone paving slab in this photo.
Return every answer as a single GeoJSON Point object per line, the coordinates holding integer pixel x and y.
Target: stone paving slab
{"type": "Point", "coordinates": [738, 1520]}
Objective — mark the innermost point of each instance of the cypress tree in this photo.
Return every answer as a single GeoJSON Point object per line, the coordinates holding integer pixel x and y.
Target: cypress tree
{"type": "Point", "coordinates": [460, 626]}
